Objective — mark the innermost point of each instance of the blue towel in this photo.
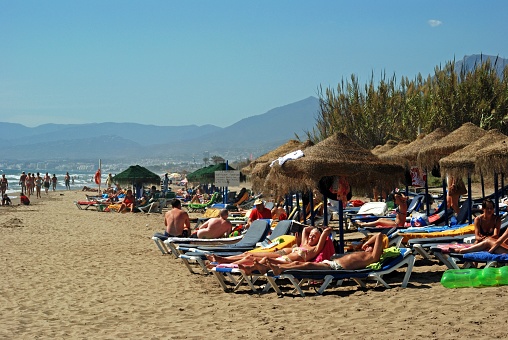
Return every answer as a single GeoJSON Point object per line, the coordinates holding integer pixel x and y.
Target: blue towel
{"type": "Point", "coordinates": [485, 256]}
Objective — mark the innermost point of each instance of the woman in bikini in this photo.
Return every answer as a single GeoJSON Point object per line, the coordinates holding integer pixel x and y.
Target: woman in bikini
{"type": "Point", "coordinates": [487, 224]}
{"type": "Point", "coordinates": [487, 227]}
{"type": "Point", "coordinates": [313, 242]}
{"type": "Point", "coordinates": [400, 214]}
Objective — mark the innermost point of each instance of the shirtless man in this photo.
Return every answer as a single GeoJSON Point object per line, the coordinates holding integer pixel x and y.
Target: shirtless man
{"type": "Point", "coordinates": [372, 251]}
{"type": "Point", "coordinates": [215, 227]}
{"type": "Point", "coordinates": [177, 221]}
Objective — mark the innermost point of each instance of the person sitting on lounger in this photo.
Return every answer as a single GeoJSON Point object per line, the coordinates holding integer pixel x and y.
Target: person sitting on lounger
{"type": "Point", "coordinates": [487, 224]}
{"type": "Point", "coordinates": [279, 213]}
{"type": "Point", "coordinates": [128, 203]}
{"type": "Point", "coordinates": [215, 227]}
{"type": "Point", "coordinates": [491, 244]}
{"type": "Point", "coordinates": [400, 214]}
{"type": "Point", "coordinates": [176, 220]}
{"type": "Point", "coordinates": [261, 212]}
{"type": "Point", "coordinates": [372, 251]}
{"type": "Point", "coordinates": [313, 242]}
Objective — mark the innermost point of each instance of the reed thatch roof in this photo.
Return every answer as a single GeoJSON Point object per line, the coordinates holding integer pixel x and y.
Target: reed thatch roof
{"type": "Point", "coordinates": [462, 162]}
{"type": "Point", "coordinates": [410, 152]}
{"type": "Point", "coordinates": [493, 158]}
{"type": "Point", "coordinates": [393, 155]}
{"type": "Point", "coordinates": [380, 149]}
{"type": "Point", "coordinates": [337, 155]}
{"type": "Point", "coordinates": [284, 149]}
{"type": "Point", "coordinates": [429, 156]}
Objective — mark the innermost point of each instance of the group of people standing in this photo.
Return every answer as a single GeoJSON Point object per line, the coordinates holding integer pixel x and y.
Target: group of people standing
{"type": "Point", "coordinates": [33, 182]}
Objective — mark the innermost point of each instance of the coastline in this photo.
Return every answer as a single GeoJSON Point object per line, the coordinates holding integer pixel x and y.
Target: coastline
{"type": "Point", "coordinates": [72, 273]}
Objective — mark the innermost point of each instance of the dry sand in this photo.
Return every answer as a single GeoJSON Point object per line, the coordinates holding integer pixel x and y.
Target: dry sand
{"type": "Point", "coordinates": [74, 274]}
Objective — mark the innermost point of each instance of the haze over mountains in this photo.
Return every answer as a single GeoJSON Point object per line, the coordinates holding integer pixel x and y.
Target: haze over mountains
{"type": "Point", "coordinates": [254, 135]}
{"type": "Point", "coordinates": [126, 141]}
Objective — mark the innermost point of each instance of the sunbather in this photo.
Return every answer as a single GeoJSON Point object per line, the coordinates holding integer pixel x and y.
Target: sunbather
{"type": "Point", "coordinates": [400, 214]}
{"type": "Point", "coordinates": [128, 203]}
{"type": "Point", "coordinates": [313, 242]}
{"type": "Point", "coordinates": [215, 227]}
{"type": "Point", "coordinates": [491, 244]}
{"type": "Point", "coordinates": [487, 224]}
{"type": "Point", "coordinates": [372, 250]}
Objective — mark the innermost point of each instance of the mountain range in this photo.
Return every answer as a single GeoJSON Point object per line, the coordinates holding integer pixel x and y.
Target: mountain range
{"type": "Point", "coordinates": [254, 135]}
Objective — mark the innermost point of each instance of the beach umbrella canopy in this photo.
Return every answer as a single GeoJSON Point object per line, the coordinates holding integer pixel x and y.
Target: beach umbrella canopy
{"type": "Point", "coordinates": [429, 156]}
{"type": "Point", "coordinates": [410, 152]}
{"type": "Point", "coordinates": [137, 174]}
{"type": "Point", "coordinates": [206, 175]}
{"type": "Point", "coordinates": [380, 149]}
{"type": "Point", "coordinates": [463, 161]}
{"type": "Point", "coordinates": [493, 158]}
{"type": "Point", "coordinates": [336, 155]}
{"type": "Point", "coordinates": [291, 146]}
{"type": "Point", "coordinates": [261, 166]}
{"type": "Point", "coordinates": [393, 155]}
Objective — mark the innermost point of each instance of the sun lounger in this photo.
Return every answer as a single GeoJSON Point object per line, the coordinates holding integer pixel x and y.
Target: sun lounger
{"type": "Point", "coordinates": [256, 233]}
{"type": "Point", "coordinates": [299, 277]}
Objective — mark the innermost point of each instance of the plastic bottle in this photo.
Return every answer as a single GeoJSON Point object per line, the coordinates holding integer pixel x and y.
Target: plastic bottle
{"type": "Point", "coordinates": [460, 278]}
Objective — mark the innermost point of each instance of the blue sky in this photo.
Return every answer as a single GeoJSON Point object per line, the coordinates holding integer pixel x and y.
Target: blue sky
{"type": "Point", "coordinates": [216, 62]}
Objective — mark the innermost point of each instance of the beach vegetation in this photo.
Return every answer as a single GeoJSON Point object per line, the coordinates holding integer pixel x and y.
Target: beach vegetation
{"type": "Point", "coordinates": [375, 112]}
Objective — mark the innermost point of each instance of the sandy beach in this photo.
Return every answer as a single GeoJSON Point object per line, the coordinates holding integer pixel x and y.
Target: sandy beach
{"type": "Point", "coordinates": [75, 274]}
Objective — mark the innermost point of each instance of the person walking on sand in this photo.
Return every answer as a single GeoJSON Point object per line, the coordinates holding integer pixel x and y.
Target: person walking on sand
{"type": "Point", "coordinates": [28, 184]}
{"type": "Point", "coordinates": [38, 185]}
{"type": "Point", "coordinates": [54, 180]}
{"type": "Point", "coordinates": [67, 180]}
{"type": "Point", "coordinates": [4, 184]}
{"type": "Point", "coordinates": [47, 182]}
{"type": "Point", "coordinates": [22, 182]}
{"type": "Point", "coordinates": [176, 220]}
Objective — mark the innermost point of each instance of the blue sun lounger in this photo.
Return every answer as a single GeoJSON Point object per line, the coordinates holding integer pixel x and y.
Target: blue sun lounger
{"type": "Point", "coordinates": [298, 277]}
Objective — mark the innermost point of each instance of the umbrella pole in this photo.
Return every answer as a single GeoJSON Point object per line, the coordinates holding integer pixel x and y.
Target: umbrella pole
{"type": "Point", "coordinates": [427, 200]}
{"type": "Point", "coordinates": [311, 203]}
{"type": "Point", "coordinates": [341, 228]}
{"type": "Point", "coordinates": [325, 211]}
{"type": "Point", "coordinates": [469, 200]}
{"type": "Point", "coordinates": [483, 185]}
{"type": "Point", "coordinates": [298, 210]}
{"type": "Point", "coordinates": [445, 203]}
{"type": "Point", "coordinates": [496, 191]}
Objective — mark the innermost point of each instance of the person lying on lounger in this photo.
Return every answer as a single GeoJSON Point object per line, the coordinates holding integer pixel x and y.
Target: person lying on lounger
{"type": "Point", "coordinates": [313, 242]}
{"type": "Point", "coordinates": [400, 217]}
{"type": "Point", "coordinates": [372, 250]}
{"type": "Point", "coordinates": [215, 227]}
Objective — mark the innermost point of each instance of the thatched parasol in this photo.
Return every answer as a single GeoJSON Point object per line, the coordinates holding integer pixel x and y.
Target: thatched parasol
{"type": "Point", "coordinates": [284, 149]}
{"type": "Point", "coordinates": [493, 158]}
{"type": "Point", "coordinates": [260, 167]}
{"type": "Point", "coordinates": [410, 152]}
{"type": "Point", "coordinates": [378, 150]}
{"type": "Point", "coordinates": [337, 155]}
{"type": "Point", "coordinates": [429, 156]}
{"type": "Point", "coordinates": [462, 162]}
{"type": "Point", "coordinates": [393, 155]}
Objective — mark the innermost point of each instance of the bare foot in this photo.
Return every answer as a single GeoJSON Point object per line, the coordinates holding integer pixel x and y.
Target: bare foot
{"type": "Point", "coordinates": [246, 269]}
{"type": "Point", "coordinates": [275, 269]}
{"type": "Point", "coordinates": [211, 258]}
{"type": "Point", "coordinates": [262, 269]}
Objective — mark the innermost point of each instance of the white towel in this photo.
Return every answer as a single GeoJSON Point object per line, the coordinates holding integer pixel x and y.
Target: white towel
{"type": "Point", "coordinates": [293, 155]}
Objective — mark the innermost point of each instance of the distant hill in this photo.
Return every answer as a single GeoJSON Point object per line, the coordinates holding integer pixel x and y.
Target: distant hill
{"type": "Point", "coordinates": [254, 135]}
{"type": "Point", "coordinates": [472, 61]}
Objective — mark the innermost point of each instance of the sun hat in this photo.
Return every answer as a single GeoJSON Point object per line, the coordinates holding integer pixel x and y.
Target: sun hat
{"type": "Point", "coordinates": [258, 201]}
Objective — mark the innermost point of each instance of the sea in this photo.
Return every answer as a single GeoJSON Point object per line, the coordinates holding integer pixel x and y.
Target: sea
{"type": "Point", "coordinates": [78, 179]}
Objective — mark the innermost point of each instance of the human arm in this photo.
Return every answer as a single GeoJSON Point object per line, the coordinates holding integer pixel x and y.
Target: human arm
{"type": "Point", "coordinates": [477, 233]}
{"type": "Point", "coordinates": [186, 224]}
{"type": "Point", "coordinates": [324, 235]}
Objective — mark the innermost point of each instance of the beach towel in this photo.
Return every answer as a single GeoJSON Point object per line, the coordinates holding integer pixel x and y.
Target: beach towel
{"type": "Point", "coordinates": [387, 253]}
{"type": "Point", "coordinates": [326, 253]}
{"type": "Point", "coordinates": [293, 155]}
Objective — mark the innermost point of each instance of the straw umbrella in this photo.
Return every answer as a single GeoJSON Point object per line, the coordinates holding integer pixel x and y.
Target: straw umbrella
{"type": "Point", "coordinates": [136, 176]}
{"type": "Point", "coordinates": [429, 156]}
{"type": "Point", "coordinates": [260, 167]}
{"type": "Point", "coordinates": [284, 149]}
{"type": "Point", "coordinates": [337, 155]}
{"type": "Point", "coordinates": [494, 159]}
{"type": "Point", "coordinates": [462, 162]}
{"type": "Point", "coordinates": [380, 149]}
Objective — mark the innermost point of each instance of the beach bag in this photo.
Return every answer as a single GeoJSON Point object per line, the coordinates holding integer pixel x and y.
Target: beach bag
{"type": "Point", "coordinates": [458, 188]}
{"type": "Point", "coordinates": [419, 219]}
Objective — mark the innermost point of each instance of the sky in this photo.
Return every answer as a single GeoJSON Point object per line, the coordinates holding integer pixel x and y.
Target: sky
{"type": "Point", "coordinates": [174, 63]}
